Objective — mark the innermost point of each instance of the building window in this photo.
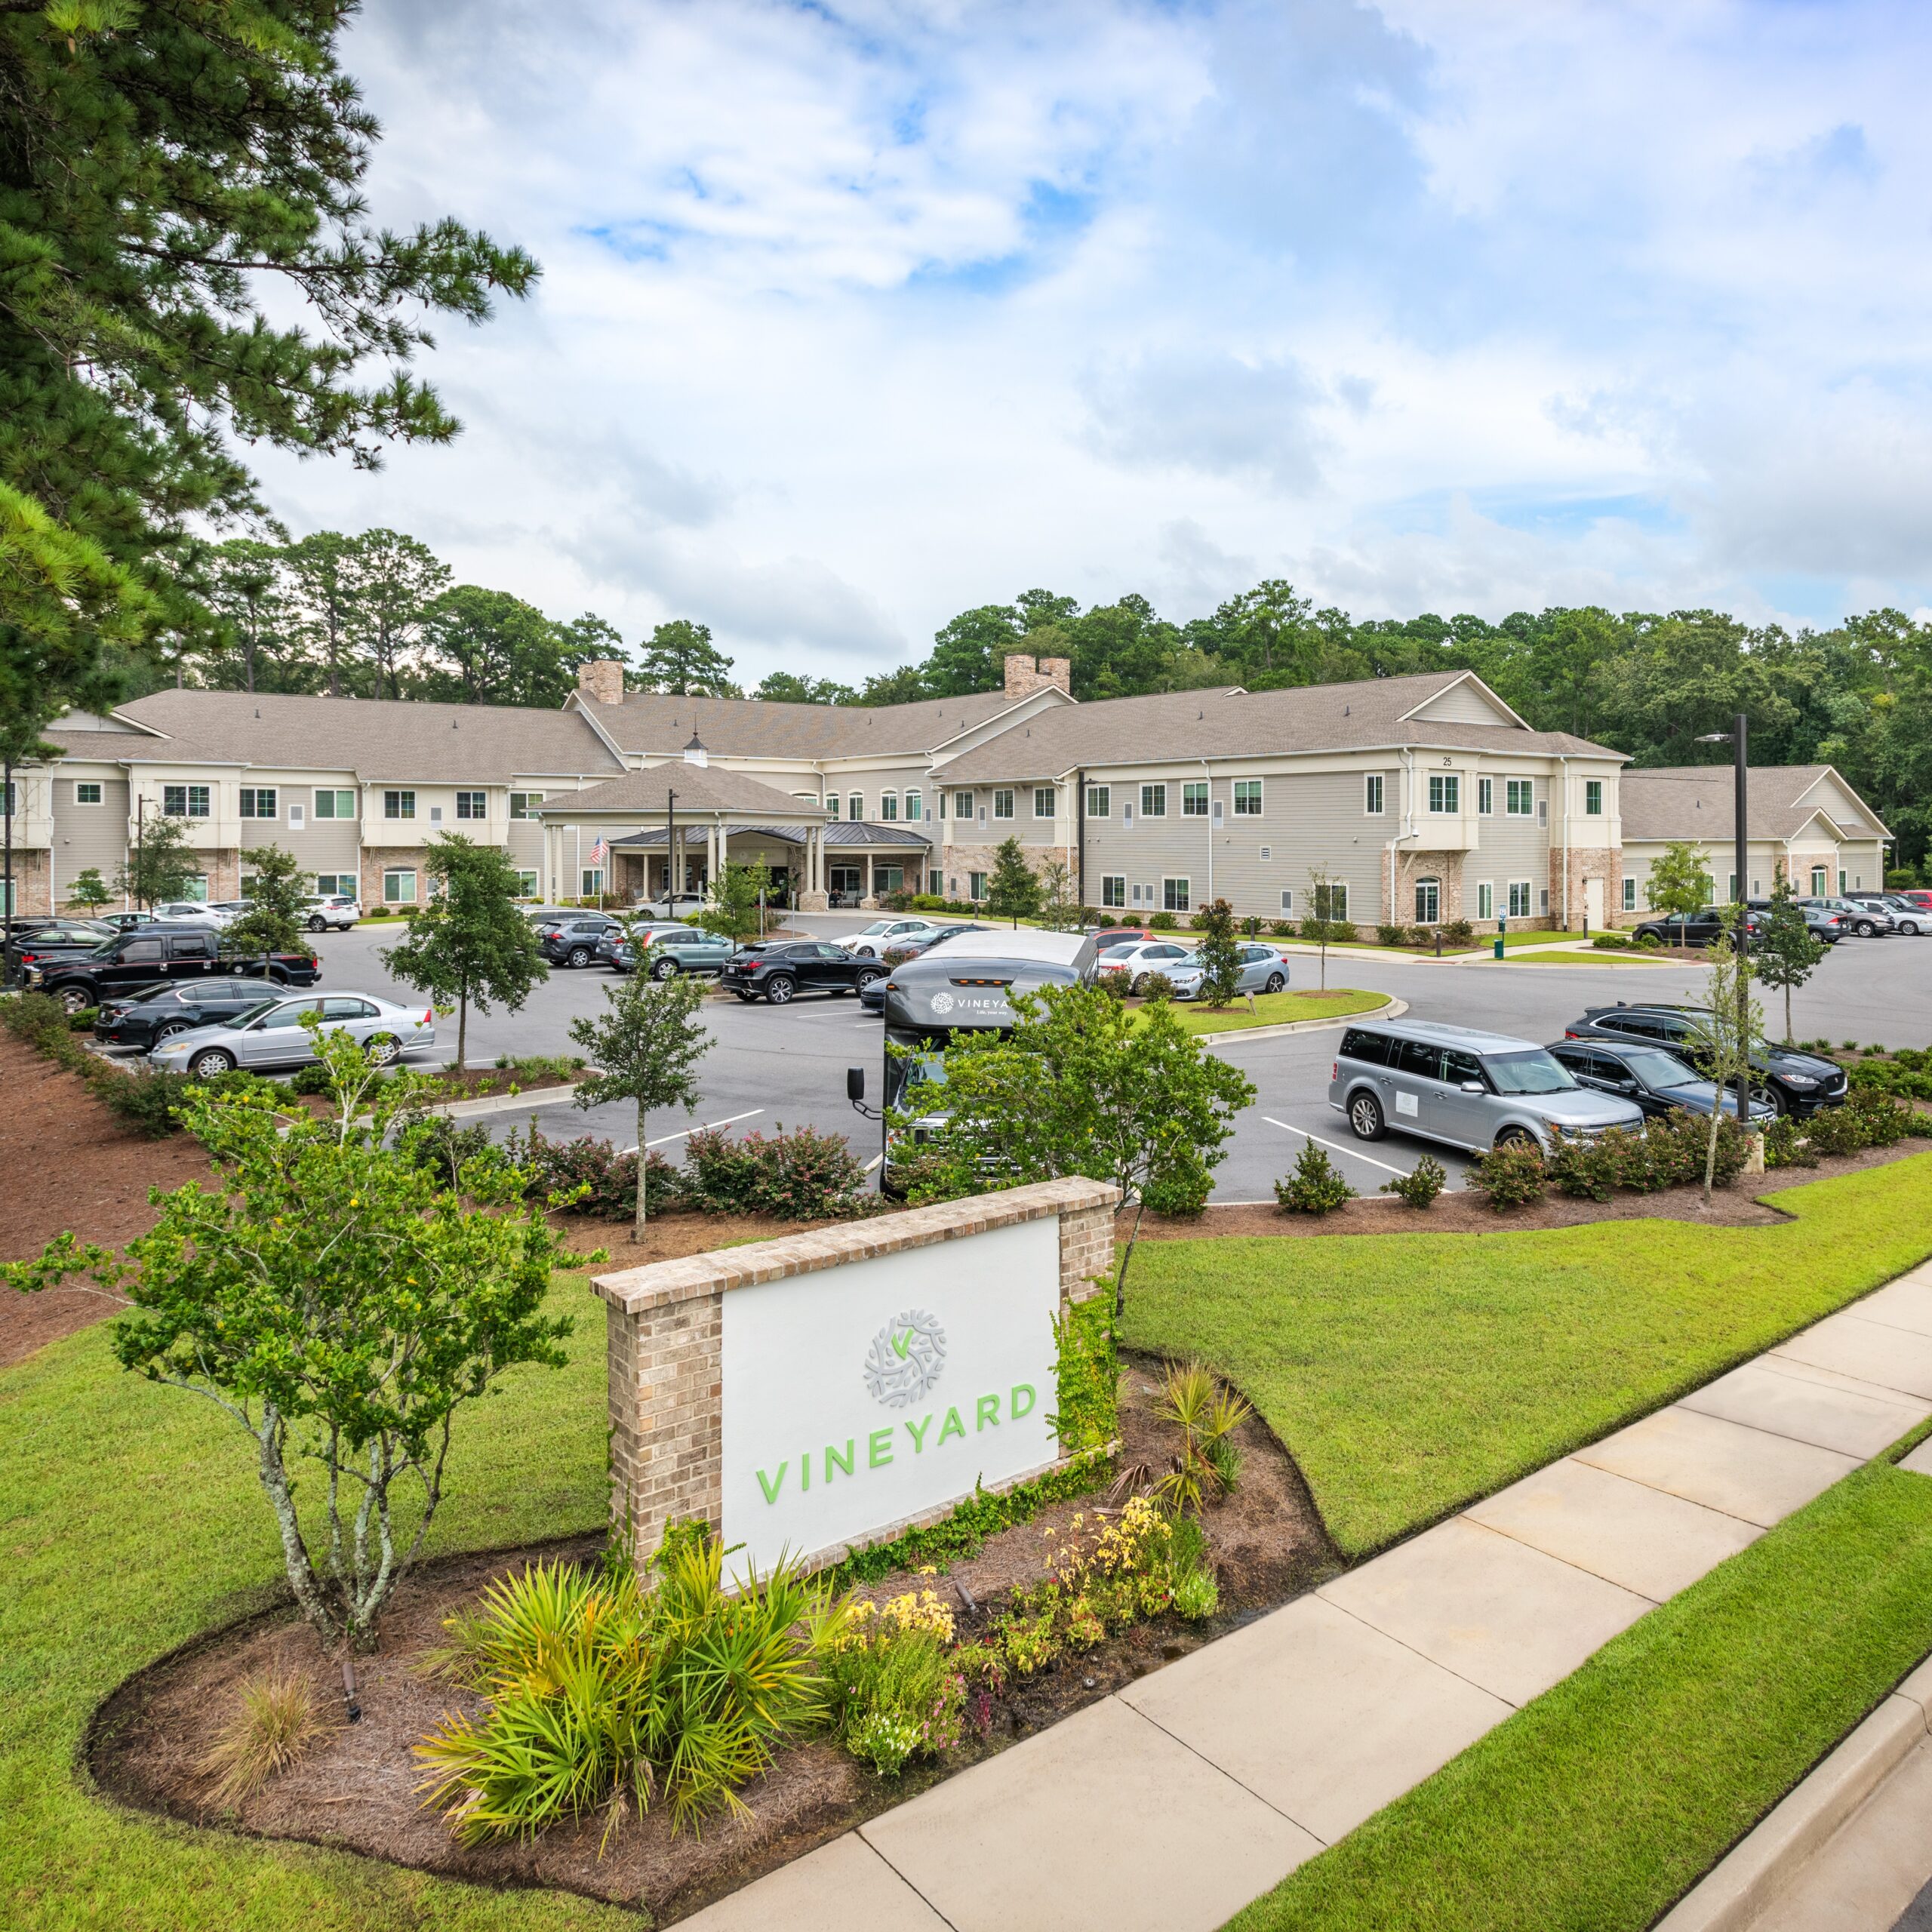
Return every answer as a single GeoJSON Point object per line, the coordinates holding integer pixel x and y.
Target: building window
{"type": "Point", "coordinates": [1329, 901]}
{"type": "Point", "coordinates": [1593, 798]}
{"type": "Point", "coordinates": [523, 804]}
{"type": "Point", "coordinates": [1542, 812]}
{"type": "Point", "coordinates": [1818, 876]}
{"type": "Point", "coordinates": [1445, 792]}
{"type": "Point", "coordinates": [1099, 801]}
{"type": "Point", "coordinates": [86, 794]}
{"type": "Point", "coordinates": [1371, 795]}
{"type": "Point", "coordinates": [976, 885]}
{"type": "Point", "coordinates": [888, 807]}
{"type": "Point", "coordinates": [400, 804]}
{"type": "Point", "coordinates": [1175, 897]}
{"type": "Point", "coordinates": [472, 804]}
{"type": "Point", "coordinates": [184, 800]}
{"type": "Point", "coordinates": [342, 804]}
{"type": "Point", "coordinates": [1428, 901]}
{"type": "Point", "coordinates": [399, 887]}
{"type": "Point", "coordinates": [196, 889]}
{"type": "Point", "coordinates": [1841, 878]}
{"type": "Point", "coordinates": [1519, 898]}
{"type": "Point", "coordinates": [1113, 889]}
{"type": "Point", "coordinates": [935, 885]}
{"type": "Point", "coordinates": [1194, 800]}
{"type": "Point", "coordinates": [1247, 798]}
{"type": "Point", "coordinates": [915, 808]}
{"type": "Point", "coordinates": [1730, 895]}
{"type": "Point", "coordinates": [1002, 804]}
{"type": "Point", "coordinates": [1485, 798]}
{"type": "Point", "coordinates": [1288, 900]}
{"type": "Point", "coordinates": [590, 882]}
{"type": "Point", "coordinates": [526, 882]}
{"type": "Point", "coordinates": [1629, 894]}
{"type": "Point", "coordinates": [1485, 899]}
{"type": "Point", "coordinates": [1043, 802]}
{"type": "Point", "coordinates": [328, 883]}
{"type": "Point", "coordinates": [258, 802]}
{"type": "Point", "coordinates": [1153, 802]}
{"type": "Point", "coordinates": [297, 818]}
{"type": "Point", "coordinates": [1518, 797]}
{"type": "Point", "coordinates": [962, 806]}
{"type": "Point", "coordinates": [1543, 896]}
{"type": "Point", "coordinates": [832, 805]}
{"type": "Point", "coordinates": [855, 805]}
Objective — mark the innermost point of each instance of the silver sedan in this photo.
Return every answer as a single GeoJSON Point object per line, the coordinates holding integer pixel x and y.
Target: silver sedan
{"type": "Point", "coordinates": [272, 1034]}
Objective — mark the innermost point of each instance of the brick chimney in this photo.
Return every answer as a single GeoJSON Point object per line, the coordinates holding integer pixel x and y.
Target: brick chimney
{"type": "Point", "coordinates": [602, 681]}
{"type": "Point", "coordinates": [1025, 676]}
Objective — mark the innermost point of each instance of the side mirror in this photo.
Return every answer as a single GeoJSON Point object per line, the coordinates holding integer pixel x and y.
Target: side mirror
{"type": "Point", "coordinates": [1474, 1087]}
{"type": "Point", "coordinates": [855, 1083]}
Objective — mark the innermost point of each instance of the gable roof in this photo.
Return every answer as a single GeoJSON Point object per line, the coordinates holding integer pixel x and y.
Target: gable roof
{"type": "Point", "coordinates": [1230, 722]}
{"type": "Point", "coordinates": [700, 788]}
{"type": "Point", "coordinates": [655, 724]}
{"type": "Point", "coordinates": [1697, 801]}
{"type": "Point", "coordinates": [376, 738]}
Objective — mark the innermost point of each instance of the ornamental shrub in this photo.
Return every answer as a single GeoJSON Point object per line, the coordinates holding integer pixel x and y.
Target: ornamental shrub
{"type": "Point", "coordinates": [1391, 935]}
{"type": "Point", "coordinates": [1785, 1145]}
{"type": "Point", "coordinates": [1154, 986]}
{"type": "Point", "coordinates": [1588, 1170]}
{"type": "Point", "coordinates": [1251, 926]}
{"type": "Point", "coordinates": [1510, 1176]}
{"type": "Point", "coordinates": [896, 1693]}
{"type": "Point", "coordinates": [1420, 1186]}
{"type": "Point", "coordinates": [804, 1175]}
{"type": "Point", "coordinates": [1458, 932]}
{"type": "Point", "coordinates": [1163, 922]}
{"type": "Point", "coordinates": [1315, 1186]}
{"type": "Point", "coordinates": [1281, 928]}
{"type": "Point", "coordinates": [589, 1174]}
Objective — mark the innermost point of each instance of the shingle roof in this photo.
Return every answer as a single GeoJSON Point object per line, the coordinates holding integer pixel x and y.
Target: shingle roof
{"type": "Point", "coordinates": [699, 788]}
{"type": "Point", "coordinates": [376, 738]}
{"type": "Point", "coordinates": [650, 723]}
{"type": "Point", "coordinates": [112, 745]}
{"type": "Point", "coordinates": [841, 831]}
{"type": "Point", "coordinates": [1232, 723]}
{"type": "Point", "coordinates": [1697, 801]}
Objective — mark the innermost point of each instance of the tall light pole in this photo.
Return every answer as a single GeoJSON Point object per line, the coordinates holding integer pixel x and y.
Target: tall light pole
{"type": "Point", "coordinates": [1736, 737]}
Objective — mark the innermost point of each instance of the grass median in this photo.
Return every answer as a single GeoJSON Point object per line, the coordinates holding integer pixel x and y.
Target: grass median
{"type": "Point", "coordinates": [132, 1520]}
{"type": "Point", "coordinates": [1272, 1009]}
{"type": "Point", "coordinates": [1410, 1373]}
{"type": "Point", "coordinates": [1602, 1801]}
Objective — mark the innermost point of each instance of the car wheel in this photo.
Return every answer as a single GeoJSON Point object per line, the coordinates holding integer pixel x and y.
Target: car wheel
{"type": "Point", "coordinates": [1276, 981]}
{"type": "Point", "coordinates": [1518, 1136]}
{"type": "Point", "coordinates": [76, 999]}
{"type": "Point", "coordinates": [746, 997]}
{"type": "Point", "coordinates": [1909, 927]}
{"type": "Point", "coordinates": [866, 979]}
{"type": "Point", "coordinates": [1365, 1120]}
{"type": "Point", "coordinates": [317, 924]}
{"type": "Point", "coordinates": [211, 1063]}
{"type": "Point", "coordinates": [665, 969]}
{"type": "Point", "coordinates": [780, 988]}
{"type": "Point", "coordinates": [578, 955]}
{"type": "Point", "coordinates": [1779, 1100]}
{"type": "Point", "coordinates": [1865, 929]}
{"type": "Point", "coordinates": [276, 977]}
{"type": "Point", "coordinates": [163, 1034]}
{"type": "Point", "coordinates": [865, 951]}
{"type": "Point", "coordinates": [383, 1048]}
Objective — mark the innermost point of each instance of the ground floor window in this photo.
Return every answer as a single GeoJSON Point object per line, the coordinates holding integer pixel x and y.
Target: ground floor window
{"type": "Point", "coordinates": [843, 879]}
{"type": "Point", "coordinates": [1428, 901]}
{"type": "Point", "coordinates": [1519, 898]}
{"type": "Point", "coordinates": [1629, 895]}
{"type": "Point", "coordinates": [1175, 897]}
{"type": "Point", "coordinates": [1817, 881]}
{"type": "Point", "coordinates": [1329, 901]}
{"type": "Point", "coordinates": [332, 882]}
{"type": "Point", "coordinates": [196, 889]}
{"type": "Point", "coordinates": [1842, 879]}
{"type": "Point", "coordinates": [1113, 889]}
{"type": "Point", "coordinates": [590, 882]}
{"type": "Point", "coordinates": [1485, 901]}
{"type": "Point", "coordinates": [976, 885]}
{"type": "Point", "coordinates": [935, 885]}
{"type": "Point", "coordinates": [399, 886]}
{"type": "Point", "coordinates": [526, 883]}
{"type": "Point", "coordinates": [888, 879]}
{"type": "Point", "coordinates": [1288, 900]}
{"type": "Point", "coordinates": [1543, 899]}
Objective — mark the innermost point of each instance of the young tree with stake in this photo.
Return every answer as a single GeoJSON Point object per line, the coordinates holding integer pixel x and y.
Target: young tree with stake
{"type": "Point", "coordinates": [1784, 949]}
{"type": "Point", "coordinates": [1735, 1023]}
{"type": "Point", "coordinates": [160, 864]}
{"type": "Point", "coordinates": [89, 892]}
{"type": "Point", "coordinates": [469, 945]}
{"type": "Point", "coordinates": [646, 1047]}
{"type": "Point", "coordinates": [1218, 955]}
{"type": "Point", "coordinates": [1013, 891]}
{"type": "Point", "coordinates": [736, 898]}
{"type": "Point", "coordinates": [1325, 894]}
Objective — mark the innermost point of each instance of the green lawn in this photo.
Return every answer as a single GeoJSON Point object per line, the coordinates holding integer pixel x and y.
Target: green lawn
{"type": "Point", "coordinates": [1410, 1373]}
{"type": "Point", "coordinates": [130, 1519]}
{"type": "Point", "coordinates": [1598, 1804]}
{"type": "Point", "coordinates": [1590, 956]}
{"type": "Point", "coordinates": [1272, 1009]}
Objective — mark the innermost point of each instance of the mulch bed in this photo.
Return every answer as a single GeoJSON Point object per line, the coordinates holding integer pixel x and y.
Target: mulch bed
{"type": "Point", "coordinates": [356, 1789]}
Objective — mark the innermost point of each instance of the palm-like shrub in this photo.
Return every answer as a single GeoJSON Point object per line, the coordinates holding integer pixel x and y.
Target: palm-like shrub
{"type": "Point", "coordinates": [1206, 1416]}
{"type": "Point", "coordinates": [605, 1695]}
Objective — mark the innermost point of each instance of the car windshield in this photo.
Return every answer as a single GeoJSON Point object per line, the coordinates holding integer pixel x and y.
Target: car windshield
{"type": "Point", "coordinates": [1659, 1069]}
{"type": "Point", "coordinates": [1537, 1072]}
{"type": "Point", "coordinates": [878, 926]}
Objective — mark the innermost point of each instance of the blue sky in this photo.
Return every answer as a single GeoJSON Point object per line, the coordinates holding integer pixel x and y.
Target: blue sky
{"type": "Point", "coordinates": [854, 316]}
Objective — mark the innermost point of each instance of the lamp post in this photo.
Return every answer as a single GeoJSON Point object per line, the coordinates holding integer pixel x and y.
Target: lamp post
{"type": "Point", "coordinates": [1736, 737]}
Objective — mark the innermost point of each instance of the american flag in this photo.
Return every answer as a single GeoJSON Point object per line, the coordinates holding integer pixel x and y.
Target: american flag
{"type": "Point", "coordinates": [600, 851]}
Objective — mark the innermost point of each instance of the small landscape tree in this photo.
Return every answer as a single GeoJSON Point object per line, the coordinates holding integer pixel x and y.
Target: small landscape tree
{"type": "Point", "coordinates": [734, 909]}
{"type": "Point", "coordinates": [341, 1303]}
{"type": "Point", "coordinates": [273, 924]}
{"type": "Point", "coordinates": [1219, 954]}
{"type": "Point", "coordinates": [467, 944]}
{"type": "Point", "coordinates": [1013, 891]}
{"type": "Point", "coordinates": [1059, 905]}
{"type": "Point", "coordinates": [1784, 950]}
{"type": "Point", "coordinates": [1736, 1024]}
{"type": "Point", "coordinates": [1680, 881]}
{"type": "Point", "coordinates": [160, 865]}
{"type": "Point", "coordinates": [646, 1046]}
{"type": "Point", "coordinates": [89, 892]}
{"type": "Point", "coordinates": [1325, 894]}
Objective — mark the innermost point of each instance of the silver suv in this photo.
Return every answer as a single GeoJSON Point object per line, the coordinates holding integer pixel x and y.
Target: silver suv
{"type": "Point", "coordinates": [1470, 1089]}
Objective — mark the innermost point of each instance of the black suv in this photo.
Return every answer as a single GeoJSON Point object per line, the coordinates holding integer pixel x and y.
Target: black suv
{"type": "Point", "coordinates": [1699, 928]}
{"type": "Point", "coordinates": [1656, 1081]}
{"type": "Point", "coordinates": [574, 941]}
{"type": "Point", "coordinates": [1793, 1083]}
{"type": "Point", "coordinates": [162, 952]}
{"type": "Point", "coordinates": [145, 1016]}
{"type": "Point", "coordinates": [775, 971]}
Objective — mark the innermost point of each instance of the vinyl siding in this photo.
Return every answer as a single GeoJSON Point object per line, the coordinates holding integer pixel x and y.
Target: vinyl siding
{"type": "Point", "coordinates": [1465, 704]}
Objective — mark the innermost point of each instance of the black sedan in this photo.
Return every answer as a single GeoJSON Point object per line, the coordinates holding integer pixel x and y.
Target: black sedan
{"type": "Point", "coordinates": [40, 941]}
{"type": "Point", "coordinates": [1657, 1081]}
{"type": "Point", "coordinates": [145, 1015]}
{"type": "Point", "coordinates": [778, 970]}
{"type": "Point", "coordinates": [1793, 1083]}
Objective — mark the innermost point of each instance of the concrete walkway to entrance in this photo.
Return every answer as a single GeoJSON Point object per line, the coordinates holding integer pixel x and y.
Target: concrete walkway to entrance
{"type": "Point", "coordinates": [1168, 1807]}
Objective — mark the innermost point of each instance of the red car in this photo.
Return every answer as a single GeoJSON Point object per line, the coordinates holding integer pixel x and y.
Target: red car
{"type": "Point", "coordinates": [1922, 899]}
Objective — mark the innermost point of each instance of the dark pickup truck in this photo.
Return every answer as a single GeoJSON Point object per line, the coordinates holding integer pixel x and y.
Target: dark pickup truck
{"type": "Point", "coordinates": [161, 953]}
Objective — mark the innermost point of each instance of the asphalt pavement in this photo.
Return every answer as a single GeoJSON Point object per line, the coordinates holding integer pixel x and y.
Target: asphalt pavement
{"type": "Point", "coordinates": [774, 1066]}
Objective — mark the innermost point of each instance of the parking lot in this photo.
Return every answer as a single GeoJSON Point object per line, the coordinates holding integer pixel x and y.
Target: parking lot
{"type": "Point", "coordinates": [774, 1066]}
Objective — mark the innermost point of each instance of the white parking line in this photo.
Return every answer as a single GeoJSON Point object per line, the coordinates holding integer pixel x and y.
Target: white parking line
{"type": "Point", "coordinates": [706, 1128]}
{"type": "Point", "coordinates": [1338, 1146]}
{"type": "Point", "coordinates": [877, 1160]}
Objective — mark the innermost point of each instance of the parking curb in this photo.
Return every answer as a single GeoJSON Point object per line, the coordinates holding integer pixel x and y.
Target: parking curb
{"type": "Point", "coordinates": [1392, 1009]}
{"type": "Point", "coordinates": [1734, 1895]}
{"type": "Point", "coordinates": [532, 1099]}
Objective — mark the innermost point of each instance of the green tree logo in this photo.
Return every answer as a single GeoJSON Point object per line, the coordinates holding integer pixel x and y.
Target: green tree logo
{"type": "Point", "coordinates": [906, 1358]}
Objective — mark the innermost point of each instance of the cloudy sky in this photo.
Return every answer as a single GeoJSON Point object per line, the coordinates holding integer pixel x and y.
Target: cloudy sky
{"type": "Point", "coordinates": [855, 316]}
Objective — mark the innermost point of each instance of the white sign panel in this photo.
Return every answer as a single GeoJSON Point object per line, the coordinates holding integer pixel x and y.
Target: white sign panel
{"type": "Point", "coordinates": [857, 1397]}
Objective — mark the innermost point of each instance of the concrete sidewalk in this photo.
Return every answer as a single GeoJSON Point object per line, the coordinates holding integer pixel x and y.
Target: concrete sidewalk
{"type": "Point", "coordinates": [1168, 1807]}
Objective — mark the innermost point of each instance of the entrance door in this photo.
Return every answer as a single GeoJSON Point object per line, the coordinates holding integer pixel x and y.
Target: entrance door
{"type": "Point", "coordinates": [1428, 901]}
{"type": "Point", "coordinates": [1593, 903]}
{"type": "Point", "coordinates": [843, 882]}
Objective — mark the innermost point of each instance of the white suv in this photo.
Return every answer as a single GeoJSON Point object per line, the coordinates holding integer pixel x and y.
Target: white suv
{"type": "Point", "coordinates": [332, 909]}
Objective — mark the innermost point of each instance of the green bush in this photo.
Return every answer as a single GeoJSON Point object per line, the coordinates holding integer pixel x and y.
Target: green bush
{"type": "Point", "coordinates": [1785, 1145]}
{"type": "Point", "coordinates": [896, 1692]}
{"type": "Point", "coordinates": [1392, 935]}
{"type": "Point", "coordinates": [1902, 1074]}
{"type": "Point", "coordinates": [1087, 1376]}
{"type": "Point", "coordinates": [1837, 1129]}
{"type": "Point", "coordinates": [146, 1100]}
{"type": "Point", "coordinates": [1458, 932]}
{"type": "Point", "coordinates": [1154, 986]}
{"type": "Point", "coordinates": [802, 1176]}
{"type": "Point", "coordinates": [1281, 928]}
{"type": "Point", "coordinates": [1251, 926]}
{"type": "Point", "coordinates": [1106, 919]}
{"type": "Point", "coordinates": [1588, 1170]}
{"type": "Point", "coordinates": [1342, 932]}
{"type": "Point", "coordinates": [82, 1022]}
{"type": "Point", "coordinates": [590, 1177]}
{"type": "Point", "coordinates": [1883, 1121]}
{"type": "Point", "coordinates": [928, 902]}
{"type": "Point", "coordinates": [1163, 922]}
{"type": "Point", "coordinates": [1420, 1186]}
{"type": "Point", "coordinates": [1510, 1176]}
{"type": "Point", "coordinates": [604, 1696]}
{"type": "Point", "coordinates": [1649, 942]}
{"type": "Point", "coordinates": [1611, 943]}
{"type": "Point", "coordinates": [1315, 1186]}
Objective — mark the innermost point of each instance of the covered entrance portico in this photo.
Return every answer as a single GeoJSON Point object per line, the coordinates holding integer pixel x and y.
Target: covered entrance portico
{"type": "Point", "coordinates": [864, 862]}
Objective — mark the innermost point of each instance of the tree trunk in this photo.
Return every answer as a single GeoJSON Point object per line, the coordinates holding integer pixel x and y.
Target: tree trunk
{"type": "Point", "coordinates": [462, 1025]}
{"type": "Point", "coordinates": [637, 1232]}
{"type": "Point", "coordinates": [1787, 1013]}
{"type": "Point", "coordinates": [295, 1552]}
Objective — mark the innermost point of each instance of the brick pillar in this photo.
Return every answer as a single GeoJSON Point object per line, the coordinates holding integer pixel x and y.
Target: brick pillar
{"type": "Point", "coordinates": [666, 1405]}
